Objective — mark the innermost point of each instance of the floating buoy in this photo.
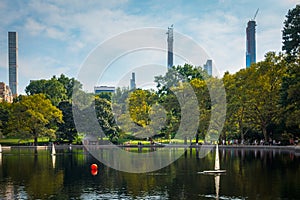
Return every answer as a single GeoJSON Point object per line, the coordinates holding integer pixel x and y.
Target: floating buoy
{"type": "Point", "coordinates": [94, 172]}
{"type": "Point", "coordinates": [94, 167]}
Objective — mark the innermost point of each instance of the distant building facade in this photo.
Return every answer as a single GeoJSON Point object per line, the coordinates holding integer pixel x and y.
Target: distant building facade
{"type": "Point", "coordinates": [5, 93]}
{"type": "Point", "coordinates": [250, 43]}
{"type": "Point", "coordinates": [170, 46]}
{"type": "Point", "coordinates": [99, 89]}
{"type": "Point", "coordinates": [13, 62]}
{"type": "Point", "coordinates": [208, 67]}
{"type": "Point", "coordinates": [132, 81]}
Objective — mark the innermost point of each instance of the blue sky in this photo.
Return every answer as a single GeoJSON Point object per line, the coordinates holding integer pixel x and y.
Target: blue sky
{"type": "Point", "coordinates": [57, 36]}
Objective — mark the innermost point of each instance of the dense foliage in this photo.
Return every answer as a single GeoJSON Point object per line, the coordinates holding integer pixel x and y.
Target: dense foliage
{"type": "Point", "coordinates": [291, 32]}
{"type": "Point", "coordinates": [32, 117]}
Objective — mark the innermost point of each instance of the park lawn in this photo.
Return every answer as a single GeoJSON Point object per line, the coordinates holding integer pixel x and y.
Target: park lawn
{"type": "Point", "coordinates": [158, 140]}
{"type": "Point", "coordinates": [17, 141]}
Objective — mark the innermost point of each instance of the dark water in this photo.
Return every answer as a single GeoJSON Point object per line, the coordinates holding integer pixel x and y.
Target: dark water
{"type": "Point", "coordinates": [251, 174]}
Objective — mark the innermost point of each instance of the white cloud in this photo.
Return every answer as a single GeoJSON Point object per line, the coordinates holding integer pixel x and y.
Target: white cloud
{"type": "Point", "coordinates": [33, 27]}
{"type": "Point", "coordinates": [35, 68]}
{"type": "Point", "coordinates": [75, 27]}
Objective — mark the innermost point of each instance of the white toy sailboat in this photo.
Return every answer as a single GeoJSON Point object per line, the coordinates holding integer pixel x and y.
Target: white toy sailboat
{"type": "Point", "coordinates": [53, 152]}
{"type": "Point", "coordinates": [217, 165]}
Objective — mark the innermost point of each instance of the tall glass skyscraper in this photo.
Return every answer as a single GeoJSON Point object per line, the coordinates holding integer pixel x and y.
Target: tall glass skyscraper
{"type": "Point", "coordinates": [170, 46]}
{"type": "Point", "coordinates": [208, 67]}
{"type": "Point", "coordinates": [13, 62]}
{"type": "Point", "coordinates": [132, 81]}
{"type": "Point", "coordinates": [250, 43]}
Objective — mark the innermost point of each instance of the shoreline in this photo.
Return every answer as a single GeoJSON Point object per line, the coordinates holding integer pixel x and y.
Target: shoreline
{"type": "Point", "coordinates": [295, 148]}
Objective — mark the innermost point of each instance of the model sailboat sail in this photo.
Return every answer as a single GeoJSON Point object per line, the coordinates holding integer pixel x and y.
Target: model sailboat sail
{"type": "Point", "coordinates": [217, 165]}
{"type": "Point", "coordinates": [217, 160]}
{"type": "Point", "coordinates": [53, 152]}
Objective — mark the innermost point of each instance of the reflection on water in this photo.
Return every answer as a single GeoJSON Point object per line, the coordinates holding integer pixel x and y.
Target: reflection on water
{"type": "Point", "coordinates": [53, 160]}
{"type": "Point", "coordinates": [251, 174]}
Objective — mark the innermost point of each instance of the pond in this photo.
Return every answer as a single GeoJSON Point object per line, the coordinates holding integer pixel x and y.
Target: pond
{"type": "Point", "coordinates": [26, 173]}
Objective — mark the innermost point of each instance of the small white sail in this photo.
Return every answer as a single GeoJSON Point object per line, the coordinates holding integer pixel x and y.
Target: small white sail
{"type": "Point", "coordinates": [53, 152]}
{"type": "Point", "coordinates": [217, 160]}
{"type": "Point", "coordinates": [0, 148]}
{"type": "Point", "coordinates": [217, 169]}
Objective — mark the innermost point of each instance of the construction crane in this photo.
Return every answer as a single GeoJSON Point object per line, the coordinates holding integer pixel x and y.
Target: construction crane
{"type": "Point", "coordinates": [255, 14]}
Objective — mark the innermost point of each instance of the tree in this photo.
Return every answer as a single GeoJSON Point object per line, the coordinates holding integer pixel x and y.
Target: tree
{"type": "Point", "coordinates": [262, 93]}
{"type": "Point", "coordinates": [290, 97]}
{"type": "Point", "coordinates": [291, 32]}
{"type": "Point", "coordinates": [177, 75]}
{"type": "Point", "coordinates": [70, 84]}
{"type": "Point", "coordinates": [237, 124]}
{"type": "Point", "coordinates": [140, 102]}
{"type": "Point", "coordinates": [141, 114]}
{"type": "Point", "coordinates": [53, 89]}
{"type": "Point", "coordinates": [33, 117]}
{"type": "Point", "coordinates": [106, 118]}
{"type": "Point", "coordinates": [204, 104]}
{"type": "Point", "coordinates": [173, 81]}
{"type": "Point", "coordinates": [4, 114]}
{"type": "Point", "coordinates": [67, 129]}
{"type": "Point", "coordinates": [56, 89]}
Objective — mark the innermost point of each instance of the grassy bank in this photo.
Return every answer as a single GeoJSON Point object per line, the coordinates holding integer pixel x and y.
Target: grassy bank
{"type": "Point", "coordinates": [21, 142]}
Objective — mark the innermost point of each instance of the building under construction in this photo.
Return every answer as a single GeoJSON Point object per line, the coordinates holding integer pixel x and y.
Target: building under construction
{"type": "Point", "coordinates": [251, 42]}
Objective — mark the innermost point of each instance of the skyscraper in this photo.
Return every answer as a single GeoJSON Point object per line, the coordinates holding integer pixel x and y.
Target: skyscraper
{"type": "Point", "coordinates": [170, 46]}
{"type": "Point", "coordinates": [132, 81]}
{"type": "Point", "coordinates": [208, 67]}
{"type": "Point", "coordinates": [250, 43]}
{"type": "Point", "coordinates": [13, 62]}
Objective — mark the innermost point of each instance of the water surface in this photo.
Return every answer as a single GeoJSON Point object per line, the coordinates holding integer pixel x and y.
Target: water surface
{"type": "Point", "coordinates": [251, 174]}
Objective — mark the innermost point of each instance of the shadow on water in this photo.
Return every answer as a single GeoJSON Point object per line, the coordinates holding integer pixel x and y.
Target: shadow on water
{"type": "Point", "coordinates": [250, 174]}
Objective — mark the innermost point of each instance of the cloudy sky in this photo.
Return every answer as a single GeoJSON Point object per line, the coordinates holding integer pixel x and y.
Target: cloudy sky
{"type": "Point", "coordinates": [57, 36]}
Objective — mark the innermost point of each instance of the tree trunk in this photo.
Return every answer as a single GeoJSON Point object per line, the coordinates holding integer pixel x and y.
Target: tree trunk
{"type": "Point", "coordinates": [185, 140]}
{"type": "Point", "coordinates": [35, 138]}
{"type": "Point", "coordinates": [197, 138]}
{"type": "Point", "coordinates": [241, 131]}
{"type": "Point", "coordinates": [264, 130]}
{"type": "Point", "coordinates": [35, 141]}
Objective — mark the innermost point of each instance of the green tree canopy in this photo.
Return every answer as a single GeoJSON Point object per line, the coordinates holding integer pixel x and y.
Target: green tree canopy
{"type": "Point", "coordinates": [253, 95]}
{"type": "Point", "coordinates": [70, 84]}
{"type": "Point", "coordinates": [106, 118]}
{"type": "Point", "coordinates": [4, 115]}
{"type": "Point", "coordinates": [53, 89]}
{"type": "Point", "coordinates": [34, 116]}
{"type": "Point", "coordinates": [291, 32]}
{"type": "Point", "coordinates": [67, 129]}
{"type": "Point", "coordinates": [56, 89]}
{"type": "Point", "coordinates": [176, 75]}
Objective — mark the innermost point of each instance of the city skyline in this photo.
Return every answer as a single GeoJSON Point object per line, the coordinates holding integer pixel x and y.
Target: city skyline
{"type": "Point", "coordinates": [56, 37]}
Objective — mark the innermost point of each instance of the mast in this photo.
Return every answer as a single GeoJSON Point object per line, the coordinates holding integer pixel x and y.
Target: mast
{"type": "Point", "coordinates": [217, 161]}
{"type": "Point", "coordinates": [53, 150]}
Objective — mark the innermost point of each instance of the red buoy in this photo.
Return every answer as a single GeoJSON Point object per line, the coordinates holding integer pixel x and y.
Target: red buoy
{"type": "Point", "coordinates": [94, 167]}
{"type": "Point", "coordinates": [94, 172]}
